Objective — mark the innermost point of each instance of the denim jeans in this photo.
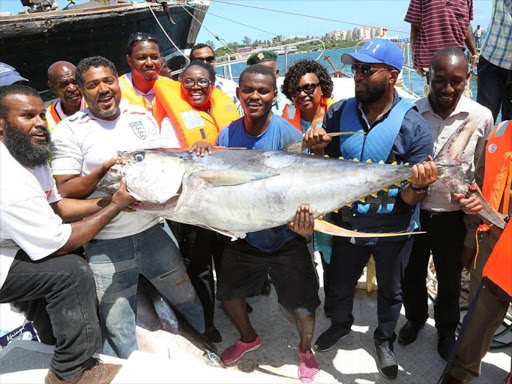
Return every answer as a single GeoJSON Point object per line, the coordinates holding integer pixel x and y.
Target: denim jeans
{"type": "Point", "coordinates": [495, 88]}
{"type": "Point", "coordinates": [67, 285]}
{"type": "Point", "coordinates": [116, 265]}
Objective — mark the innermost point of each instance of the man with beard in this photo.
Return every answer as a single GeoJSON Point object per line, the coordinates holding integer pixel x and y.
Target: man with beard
{"type": "Point", "coordinates": [445, 109]}
{"type": "Point", "coordinates": [136, 242]}
{"type": "Point", "coordinates": [35, 243]}
{"type": "Point", "coordinates": [143, 57]}
{"type": "Point", "coordinates": [390, 129]}
{"type": "Point", "coordinates": [62, 82]}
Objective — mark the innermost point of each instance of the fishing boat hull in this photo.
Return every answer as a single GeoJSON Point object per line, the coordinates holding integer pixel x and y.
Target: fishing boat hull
{"type": "Point", "coordinates": [31, 42]}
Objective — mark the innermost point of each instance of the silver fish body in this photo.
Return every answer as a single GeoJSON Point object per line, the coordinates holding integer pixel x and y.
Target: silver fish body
{"type": "Point", "coordinates": [240, 191]}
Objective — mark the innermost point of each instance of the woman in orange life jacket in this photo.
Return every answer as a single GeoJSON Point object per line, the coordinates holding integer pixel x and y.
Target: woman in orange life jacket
{"type": "Point", "coordinates": [197, 102]}
{"type": "Point", "coordinates": [309, 87]}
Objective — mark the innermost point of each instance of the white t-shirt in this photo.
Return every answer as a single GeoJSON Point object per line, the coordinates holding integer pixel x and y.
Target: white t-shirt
{"type": "Point", "coordinates": [168, 136]}
{"type": "Point", "coordinates": [83, 143]}
{"type": "Point", "coordinates": [26, 219]}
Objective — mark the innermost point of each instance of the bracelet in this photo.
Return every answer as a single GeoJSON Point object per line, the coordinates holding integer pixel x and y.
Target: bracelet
{"type": "Point", "coordinates": [417, 191]}
{"type": "Point", "coordinates": [476, 55]}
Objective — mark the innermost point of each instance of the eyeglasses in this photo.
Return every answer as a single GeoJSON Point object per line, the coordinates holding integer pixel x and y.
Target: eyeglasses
{"type": "Point", "coordinates": [137, 37]}
{"type": "Point", "coordinates": [207, 59]}
{"type": "Point", "coordinates": [308, 89]}
{"type": "Point", "coordinates": [366, 69]}
{"type": "Point", "coordinates": [202, 83]}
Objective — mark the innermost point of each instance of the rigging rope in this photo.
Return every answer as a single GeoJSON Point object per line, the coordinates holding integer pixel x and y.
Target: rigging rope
{"type": "Point", "coordinates": [302, 15]}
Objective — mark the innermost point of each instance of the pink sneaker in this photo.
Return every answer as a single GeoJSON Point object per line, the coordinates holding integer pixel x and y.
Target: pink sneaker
{"type": "Point", "coordinates": [236, 351]}
{"type": "Point", "coordinates": [308, 367]}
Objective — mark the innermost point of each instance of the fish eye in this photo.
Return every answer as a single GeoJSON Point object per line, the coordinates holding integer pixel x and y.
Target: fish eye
{"type": "Point", "coordinates": [139, 157]}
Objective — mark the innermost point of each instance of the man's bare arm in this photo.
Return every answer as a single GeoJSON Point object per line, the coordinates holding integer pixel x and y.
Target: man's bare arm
{"type": "Point", "coordinates": [71, 210]}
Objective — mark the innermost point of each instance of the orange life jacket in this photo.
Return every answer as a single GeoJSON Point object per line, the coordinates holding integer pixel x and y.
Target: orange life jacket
{"type": "Point", "coordinates": [292, 114]}
{"type": "Point", "coordinates": [52, 116]}
{"type": "Point", "coordinates": [191, 124]}
{"type": "Point", "coordinates": [496, 189]}
{"type": "Point", "coordinates": [129, 94]}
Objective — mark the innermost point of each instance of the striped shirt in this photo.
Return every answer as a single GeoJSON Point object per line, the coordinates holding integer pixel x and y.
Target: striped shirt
{"type": "Point", "coordinates": [443, 23]}
{"type": "Point", "coordinates": [497, 46]}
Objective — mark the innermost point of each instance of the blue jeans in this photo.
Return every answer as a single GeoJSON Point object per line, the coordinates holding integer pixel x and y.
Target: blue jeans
{"type": "Point", "coordinates": [116, 265]}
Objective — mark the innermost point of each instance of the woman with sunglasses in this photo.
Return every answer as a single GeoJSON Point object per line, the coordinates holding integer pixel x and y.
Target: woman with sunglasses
{"type": "Point", "coordinates": [194, 112]}
{"type": "Point", "coordinates": [309, 87]}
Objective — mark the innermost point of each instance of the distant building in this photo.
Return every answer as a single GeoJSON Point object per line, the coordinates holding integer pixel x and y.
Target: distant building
{"type": "Point", "coordinates": [278, 40]}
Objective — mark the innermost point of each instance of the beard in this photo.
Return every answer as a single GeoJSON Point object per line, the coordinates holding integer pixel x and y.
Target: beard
{"type": "Point", "coordinates": [370, 95]}
{"type": "Point", "coordinates": [22, 149]}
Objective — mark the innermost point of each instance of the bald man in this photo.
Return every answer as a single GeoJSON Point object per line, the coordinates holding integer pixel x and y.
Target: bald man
{"type": "Point", "coordinates": [62, 82]}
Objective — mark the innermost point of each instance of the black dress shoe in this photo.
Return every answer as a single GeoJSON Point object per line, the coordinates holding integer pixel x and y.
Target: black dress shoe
{"type": "Point", "coordinates": [330, 337]}
{"type": "Point", "coordinates": [213, 334]}
{"type": "Point", "coordinates": [386, 360]}
{"type": "Point", "coordinates": [445, 344]}
{"type": "Point", "coordinates": [409, 332]}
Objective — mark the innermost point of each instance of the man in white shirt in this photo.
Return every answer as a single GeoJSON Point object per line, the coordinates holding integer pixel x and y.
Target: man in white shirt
{"type": "Point", "coordinates": [445, 109]}
{"type": "Point", "coordinates": [35, 242]}
{"type": "Point", "coordinates": [135, 242]}
{"type": "Point", "coordinates": [62, 83]}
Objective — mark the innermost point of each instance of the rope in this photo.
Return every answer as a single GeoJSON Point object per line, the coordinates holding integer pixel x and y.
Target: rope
{"type": "Point", "coordinates": [165, 33]}
{"type": "Point", "coordinates": [218, 38]}
{"type": "Point", "coordinates": [302, 15]}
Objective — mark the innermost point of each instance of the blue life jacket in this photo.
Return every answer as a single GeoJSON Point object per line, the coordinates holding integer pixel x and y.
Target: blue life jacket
{"type": "Point", "coordinates": [376, 145]}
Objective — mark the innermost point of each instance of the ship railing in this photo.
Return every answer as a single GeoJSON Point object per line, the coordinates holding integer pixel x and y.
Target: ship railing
{"type": "Point", "coordinates": [226, 61]}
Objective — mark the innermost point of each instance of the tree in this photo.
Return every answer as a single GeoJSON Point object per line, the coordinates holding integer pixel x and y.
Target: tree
{"type": "Point", "coordinates": [211, 44]}
{"type": "Point", "coordinates": [246, 41]}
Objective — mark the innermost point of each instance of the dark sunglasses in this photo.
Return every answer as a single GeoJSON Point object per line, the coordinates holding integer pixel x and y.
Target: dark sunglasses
{"type": "Point", "coordinates": [366, 69]}
{"type": "Point", "coordinates": [137, 37]}
{"type": "Point", "coordinates": [202, 83]}
{"type": "Point", "coordinates": [207, 59]}
{"type": "Point", "coordinates": [308, 89]}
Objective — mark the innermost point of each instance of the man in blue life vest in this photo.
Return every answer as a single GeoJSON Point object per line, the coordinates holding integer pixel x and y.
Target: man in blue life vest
{"type": "Point", "coordinates": [390, 129]}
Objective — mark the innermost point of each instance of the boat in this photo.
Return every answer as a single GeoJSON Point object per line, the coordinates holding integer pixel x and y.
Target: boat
{"type": "Point", "coordinates": [32, 40]}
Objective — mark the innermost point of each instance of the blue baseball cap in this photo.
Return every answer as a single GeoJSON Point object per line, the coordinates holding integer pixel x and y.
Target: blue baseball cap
{"type": "Point", "coordinates": [9, 75]}
{"type": "Point", "coordinates": [377, 51]}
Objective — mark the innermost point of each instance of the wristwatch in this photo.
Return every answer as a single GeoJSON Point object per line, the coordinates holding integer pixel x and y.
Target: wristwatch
{"type": "Point", "coordinates": [418, 190]}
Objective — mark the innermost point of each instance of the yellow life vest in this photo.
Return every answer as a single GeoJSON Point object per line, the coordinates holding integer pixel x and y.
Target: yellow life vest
{"type": "Point", "coordinates": [192, 125]}
{"type": "Point", "coordinates": [129, 93]}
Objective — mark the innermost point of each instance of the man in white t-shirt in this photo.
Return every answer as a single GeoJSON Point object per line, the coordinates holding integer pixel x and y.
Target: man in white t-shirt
{"type": "Point", "coordinates": [34, 241]}
{"type": "Point", "coordinates": [135, 242]}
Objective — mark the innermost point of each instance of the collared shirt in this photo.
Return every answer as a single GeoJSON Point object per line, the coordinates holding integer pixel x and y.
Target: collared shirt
{"type": "Point", "coordinates": [149, 96]}
{"type": "Point", "coordinates": [439, 198]}
{"type": "Point", "coordinates": [228, 87]}
{"type": "Point", "coordinates": [442, 24]}
{"type": "Point", "coordinates": [497, 46]}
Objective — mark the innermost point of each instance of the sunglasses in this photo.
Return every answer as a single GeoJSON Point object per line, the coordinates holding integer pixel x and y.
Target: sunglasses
{"type": "Point", "coordinates": [137, 37]}
{"type": "Point", "coordinates": [207, 59]}
{"type": "Point", "coordinates": [366, 69]}
{"type": "Point", "coordinates": [202, 83]}
{"type": "Point", "coordinates": [308, 89]}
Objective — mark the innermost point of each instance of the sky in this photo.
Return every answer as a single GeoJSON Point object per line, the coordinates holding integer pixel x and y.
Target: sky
{"type": "Point", "coordinates": [386, 13]}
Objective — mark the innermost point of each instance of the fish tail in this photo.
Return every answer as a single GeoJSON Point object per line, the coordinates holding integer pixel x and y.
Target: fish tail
{"type": "Point", "coordinates": [334, 230]}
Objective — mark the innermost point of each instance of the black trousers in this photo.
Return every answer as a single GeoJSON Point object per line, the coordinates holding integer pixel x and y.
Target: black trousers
{"type": "Point", "coordinates": [445, 238]}
{"type": "Point", "coordinates": [495, 88]}
{"type": "Point", "coordinates": [67, 285]}
{"type": "Point", "coordinates": [347, 263]}
{"type": "Point", "coordinates": [199, 247]}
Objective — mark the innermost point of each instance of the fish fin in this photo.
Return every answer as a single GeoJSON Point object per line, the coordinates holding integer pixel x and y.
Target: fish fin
{"type": "Point", "coordinates": [334, 230]}
{"type": "Point", "coordinates": [454, 147]}
{"type": "Point", "coordinates": [230, 177]}
{"type": "Point", "coordinates": [232, 235]}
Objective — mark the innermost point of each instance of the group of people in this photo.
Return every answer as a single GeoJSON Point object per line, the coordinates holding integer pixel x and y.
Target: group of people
{"type": "Point", "coordinates": [52, 160]}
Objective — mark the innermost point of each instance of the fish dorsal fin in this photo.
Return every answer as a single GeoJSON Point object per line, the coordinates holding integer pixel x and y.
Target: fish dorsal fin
{"type": "Point", "coordinates": [453, 148]}
{"type": "Point", "coordinates": [334, 230]}
{"type": "Point", "coordinates": [230, 177]}
{"type": "Point", "coordinates": [301, 146]}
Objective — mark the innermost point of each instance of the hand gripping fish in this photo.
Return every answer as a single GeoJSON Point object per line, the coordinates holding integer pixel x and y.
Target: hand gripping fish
{"type": "Point", "coordinates": [237, 191]}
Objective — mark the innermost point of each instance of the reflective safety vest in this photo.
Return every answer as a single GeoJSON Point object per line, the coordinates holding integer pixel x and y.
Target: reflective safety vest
{"type": "Point", "coordinates": [292, 113]}
{"type": "Point", "coordinates": [192, 125]}
{"type": "Point", "coordinates": [496, 189]}
{"type": "Point", "coordinates": [52, 116]}
{"type": "Point", "coordinates": [129, 93]}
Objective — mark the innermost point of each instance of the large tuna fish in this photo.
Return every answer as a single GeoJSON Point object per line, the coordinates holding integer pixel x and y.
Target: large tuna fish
{"type": "Point", "coordinates": [236, 191]}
